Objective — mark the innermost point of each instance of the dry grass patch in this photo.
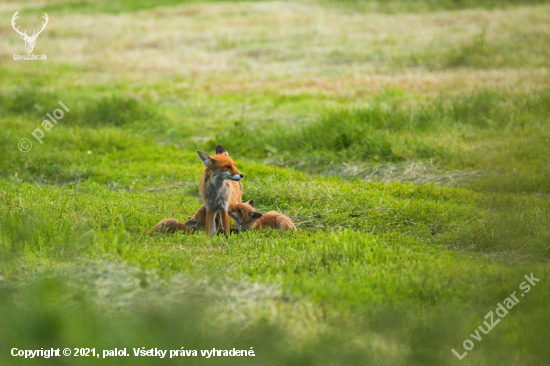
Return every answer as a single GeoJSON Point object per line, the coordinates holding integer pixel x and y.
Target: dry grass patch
{"type": "Point", "coordinates": [297, 47]}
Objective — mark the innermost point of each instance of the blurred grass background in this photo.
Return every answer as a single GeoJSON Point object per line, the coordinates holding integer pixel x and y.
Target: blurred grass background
{"type": "Point", "coordinates": [408, 140]}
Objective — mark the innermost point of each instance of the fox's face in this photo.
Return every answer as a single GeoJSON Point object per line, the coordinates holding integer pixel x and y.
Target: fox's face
{"type": "Point", "coordinates": [244, 214]}
{"type": "Point", "coordinates": [221, 163]}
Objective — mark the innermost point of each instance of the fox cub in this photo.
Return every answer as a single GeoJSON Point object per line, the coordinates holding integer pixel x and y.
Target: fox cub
{"type": "Point", "coordinates": [194, 224]}
{"type": "Point", "coordinates": [170, 226]}
{"type": "Point", "coordinates": [247, 217]}
{"type": "Point", "coordinates": [197, 222]}
{"type": "Point", "coordinates": [220, 188]}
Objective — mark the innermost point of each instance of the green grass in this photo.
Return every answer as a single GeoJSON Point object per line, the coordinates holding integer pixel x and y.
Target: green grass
{"type": "Point", "coordinates": [115, 7]}
{"type": "Point", "coordinates": [364, 248]}
{"type": "Point", "coordinates": [417, 211]}
{"type": "Point", "coordinates": [422, 6]}
{"type": "Point", "coordinates": [485, 131]}
{"type": "Point", "coordinates": [384, 6]}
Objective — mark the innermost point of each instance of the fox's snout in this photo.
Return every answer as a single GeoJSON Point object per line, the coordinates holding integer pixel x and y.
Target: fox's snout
{"type": "Point", "coordinates": [228, 175]}
{"type": "Point", "coordinates": [230, 171]}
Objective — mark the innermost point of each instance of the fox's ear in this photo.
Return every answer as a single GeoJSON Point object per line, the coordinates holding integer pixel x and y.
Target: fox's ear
{"type": "Point", "coordinates": [251, 202]}
{"type": "Point", "coordinates": [254, 215]}
{"type": "Point", "coordinates": [220, 150]}
{"type": "Point", "coordinates": [205, 158]}
{"type": "Point", "coordinates": [191, 223]}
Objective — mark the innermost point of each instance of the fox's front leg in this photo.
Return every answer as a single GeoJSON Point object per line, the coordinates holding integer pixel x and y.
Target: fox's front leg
{"type": "Point", "coordinates": [225, 219]}
{"type": "Point", "coordinates": [210, 223]}
{"type": "Point", "coordinates": [233, 215]}
{"type": "Point", "coordinates": [235, 219]}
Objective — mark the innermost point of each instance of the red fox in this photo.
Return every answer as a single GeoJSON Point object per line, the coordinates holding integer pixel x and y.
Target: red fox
{"type": "Point", "coordinates": [247, 217]}
{"type": "Point", "coordinates": [220, 188]}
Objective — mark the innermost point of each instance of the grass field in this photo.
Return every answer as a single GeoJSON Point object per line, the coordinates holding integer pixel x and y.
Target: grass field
{"type": "Point", "coordinates": [408, 141]}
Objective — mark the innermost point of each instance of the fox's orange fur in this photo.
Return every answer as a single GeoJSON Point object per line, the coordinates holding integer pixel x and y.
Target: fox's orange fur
{"type": "Point", "coordinates": [194, 224]}
{"type": "Point", "coordinates": [220, 188]}
{"type": "Point", "coordinates": [197, 222]}
{"type": "Point", "coordinates": [170, 226]}
{"type": "Point", "coordinates": [248, 217]}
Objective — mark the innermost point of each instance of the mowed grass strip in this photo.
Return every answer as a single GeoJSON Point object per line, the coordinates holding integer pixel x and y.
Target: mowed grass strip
{"type": "Point", "coordinates": [400, 6]}
{"type": "Point", "coordinates": [289, 47]}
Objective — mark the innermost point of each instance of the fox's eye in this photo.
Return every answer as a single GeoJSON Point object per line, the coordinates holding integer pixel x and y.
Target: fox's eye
{"type": "Point", "coordinates": [239, 210]}
{"type": "Point", "coordinates": [227, 166]}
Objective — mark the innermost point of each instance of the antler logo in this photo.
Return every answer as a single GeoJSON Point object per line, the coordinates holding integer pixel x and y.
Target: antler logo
{"type": "Point", "coordinates": [29, 40]}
